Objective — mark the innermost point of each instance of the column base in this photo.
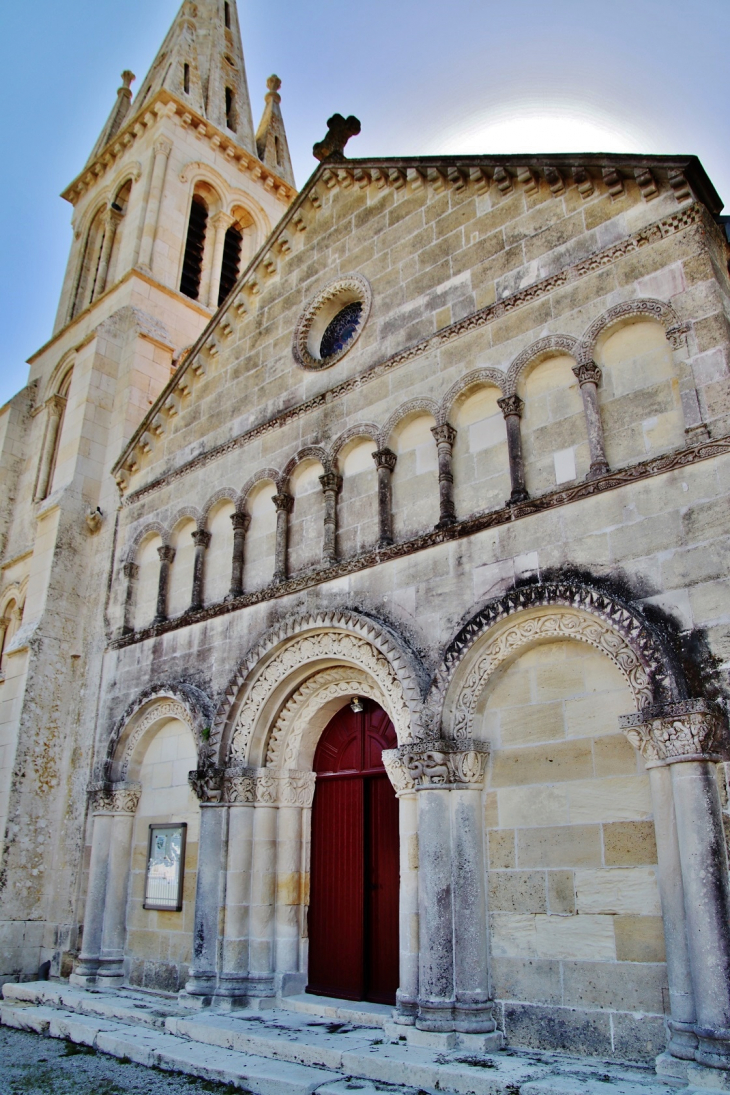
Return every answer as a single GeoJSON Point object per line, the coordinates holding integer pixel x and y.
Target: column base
{"type": "Point", "coordinates": [682, 1040]}
{"type": "Point", "coordinates": [596, 471]}
{"type": "Point", "coordinates": [713, 1049]}
{"type": "Point", "coordinates": [445, 522]}
{"type": "Point", "coordinates": [671, 1069]}
{"type": "Point", "coordinates": [201, 983]}
{"type": "Point", "coordinates": [443, 1040]}
{"type": "Point", "coordinates": [385, 542]}
{"type": "Point", "coordinates": [85, 972]}
{"type": "Point", "coordinates": [193, 1003]}
{"type": "Point", "coordinates": [516, 497]}
{"type": "Point", "coordinates": [442, 1017]}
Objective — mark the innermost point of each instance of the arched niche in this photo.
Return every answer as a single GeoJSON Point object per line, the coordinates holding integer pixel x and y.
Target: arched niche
{"type": "Point", "coordinates": [258, 569]}
{"type": "Point", "coordinates": [220, 551]}
{"type": "Point", "coordinates": [481, 461]}
{"type": "Point", "coordinates": [306, 522]}
{"type": "Point", "coordinates": [415, 479]}
{"type": "Point", "coordinates": [148, 579]}
{"type": "Point", "coordinates": [554, 434]}
{"type": "Point", "coordinates": [357, 510]}
{"type": "Point", "coordinates": [181, 572]}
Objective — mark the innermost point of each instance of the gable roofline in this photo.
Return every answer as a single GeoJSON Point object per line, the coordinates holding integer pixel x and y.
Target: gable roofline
{"type": "Point", "coordinates": [681, 172]}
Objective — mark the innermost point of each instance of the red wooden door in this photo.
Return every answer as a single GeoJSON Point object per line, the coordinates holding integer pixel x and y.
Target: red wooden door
{"type": "Point", "coordinates": [353, 911]}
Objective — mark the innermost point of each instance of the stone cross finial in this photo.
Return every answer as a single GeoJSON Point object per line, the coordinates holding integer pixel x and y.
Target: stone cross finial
{"type": "Point", "coordinates": [338, 134]}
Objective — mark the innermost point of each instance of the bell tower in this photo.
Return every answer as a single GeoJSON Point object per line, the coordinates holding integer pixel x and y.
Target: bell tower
{"type": "Point", "coordinates": [172, 202]}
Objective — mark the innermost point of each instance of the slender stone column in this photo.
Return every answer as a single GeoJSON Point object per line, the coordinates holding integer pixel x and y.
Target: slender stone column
{"type": "Point", "coordinates": [385, 461]}
{"type": "Point", "coordinates": [166, 554]}
{"type": "Point", "coordinates": [55, 407]}
{"type": "Point", "coordinates": [589, 377]}
{"type": "Point", "coordinates": [453, 976]}
{"type": "Point", "coordinates": [331, 486]}
{"type": "Point", "coordinates": [201, 538]}
{"type": "Point", "coordinates": [210, 887]}
{"type": "Point", "coordinates": [221, 223]}
{"type": "Point", "coordinates": [122, 801]}
{"type": "Point", "coordinates": [263, 895]}
{"type": "Point", "coordinates": [104, 871]}
{"type": "Point", "coordinates": [239, 790]}
{"type": "Point", "coordinates": [686, 737]}
{"type": "Point", "coordinates": [111, 222]}
{"type": "Point", "coordinates": [512, 407]}
{"type": "Point", "coordinates": [131, 573]}
{"type": "Point", "coordinates": [284, 505]}
{"type": "Point", "coordinates": [408, 920]}
{"type": "Point", "coordinates": [445, 437]}
{"type": "Point", "coordinates": [163, 148]}
{"type": "Point", "coordinates": [241, 523]}
{"type": "Point", "coordinates": [288, 899]}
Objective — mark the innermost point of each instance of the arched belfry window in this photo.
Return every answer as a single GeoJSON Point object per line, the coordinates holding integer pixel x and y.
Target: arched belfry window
{"type": "Point", "coordinates": [55, 413]}
{"type": "Point", "coordinates": [186, 78]}
{"type": "Point", "coordinates": [231, 261]}
{"type": "Point", "coordinates": [194, 247]}
{"type": "Point", "coordinates": [231, 110]}
{"type": "Point", "coordinates": [227, 9]}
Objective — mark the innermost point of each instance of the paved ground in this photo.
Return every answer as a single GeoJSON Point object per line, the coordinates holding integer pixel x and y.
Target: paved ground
{"type": "Point", "coordinates": [30, 1065]}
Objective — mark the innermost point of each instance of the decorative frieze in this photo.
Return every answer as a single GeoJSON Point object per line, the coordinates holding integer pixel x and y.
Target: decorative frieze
{"type": "Point", "coordinates": [450, 765]}
{"type": "Point", "coordinates": [115, 798]}
{"type": "Point", "coordinates": [248, 786]}
{"type": "Point", "coordinates": [675, 732]}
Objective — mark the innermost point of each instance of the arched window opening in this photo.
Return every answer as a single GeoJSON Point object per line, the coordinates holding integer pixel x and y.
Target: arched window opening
{"type": "Point", "coordinates": [227, 7]}
{"type": "Point", "coordinates": [120, 203]}
{"type": "Point", "coordinates": [55, 415]}
{"type": "Point", "coordinates": [186, 78]}
{"type": "Point", "coordinates": [88, 270]}
{"type": "Point", "coordinates": [230, 110]}
{"type": "Point", "coordinates": [194, 247]}
{"type": "Point", "coordinates": [231, 261]}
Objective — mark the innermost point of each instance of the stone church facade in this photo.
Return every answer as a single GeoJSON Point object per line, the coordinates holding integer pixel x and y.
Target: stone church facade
{"type": "Point", "coordinates": [444, 438]}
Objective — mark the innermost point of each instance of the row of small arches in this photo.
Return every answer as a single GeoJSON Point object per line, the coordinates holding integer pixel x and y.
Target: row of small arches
{"type": "Point", "coordinates": [480, 466]}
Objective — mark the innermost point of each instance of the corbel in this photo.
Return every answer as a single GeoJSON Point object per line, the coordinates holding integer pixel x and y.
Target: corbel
{"type": "Point", "coordinates": [146, 442]}
{"type": "Point", "coordinates": [231, 152]}
{"type": "Point", "coordinates": [269, 265]}
{"type": "Point", "coordinates": [241, 306]}
{"type": "Point", "coordinates": [225, 328]}
{"type": "Point", "coordinates": [415, 178]}
{"type": "Point", "coordinates": [503, 180]}
{"type": "Point", "coordinates": [172, 405]}
{"type": "Point", "coordinates": [202, 130]}
{"type": "Point", "coordinates": [436, 179]}
{"type": "Point", "coordinates": [613, 181]}
{"type": "Point", "coordinates": [299, 222]}
{"type": "Point", "coordinates": [361, 177]}
{"type": "Point", "coordinates": [158, 425]}
{"type": "Point", "coordinates": [554, 179]}
{"type": "Point", "coordinates": [316, 199]}
{"type": "Point", "coordinates": [284, 246]}
{"type": "Point", "coordinates": [479, 178]}
{"type": "Point", "coordinates": [457, 178]}
{"type": "Point", "coordinates": [583, 181]}
{"type": "Point", "coordinates": [269, 182]}
{"type": "Point", "coordinates": [215, 142]}
{"type": "Point", "coordinates": [186, 119]}
{"type": "Point", "coordinates": [397, 178]}
{"type": "Point", "coordinates": [646, 183]}
{"type": "Point", "coordinates": [379, 178]}
{"type": "Point", "coordinates": [329, 179]}
{"type": "Point", "coordinates": [679, 185]}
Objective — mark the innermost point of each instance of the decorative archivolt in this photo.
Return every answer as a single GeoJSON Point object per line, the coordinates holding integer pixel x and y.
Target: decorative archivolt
{"type": "Point", "coordinates": [544, 347]}
{"type": "Point", "coordinates": [412, 407]}
{"type": "Point", "coordinates": [539, 613]}
{"type": "Point", "coordinates": [658, 310]}
{"type": "Point", "coordinates": [297, 719]}
{"type": "Point", "coordinates": [150, 529]}
{"type": "Point", "coordinates": [260, 477]}
{"type": "Point", "coordinates": [240, 728]}
{"type": "Point", "coordinates": [183, 702]}
{"type": "Point", "coordinates": [484, 378]}
{"type": "Point", "coordinates": [225, 494]}
{"type": "Point", "coordinates": [311, 452]}
{"type": "Point", "coordinates": [187, 513]}
{"type": "Point", "coordinates": [365, 431]}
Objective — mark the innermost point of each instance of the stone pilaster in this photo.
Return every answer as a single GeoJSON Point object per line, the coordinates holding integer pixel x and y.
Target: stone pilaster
{"type": "Point", "coordinates": [201, 539]}
{"type": "Point", "coordinates": [284, 505]}
{"type": "Point", "coordinates": [689, 738]}
{"type": "Point", "coordinates": [512, 407]}
{"type": "Point", "coordinates": [241, 523]}
{"type": "Point", "coordinates": [385, 461]}
{"type": "Point", "coordinates": [445, 437]}
{"type": "Point", "coordinates": [210, 896]}
{"type": "Point", "coordinates": [166, 554]}
{"type": "Point", "coordinates": [589, 377]}
{"type": "Point", "coordinates": [113, 807]}
{"type": "Point", "coordinates": [331, 486]}
{"type": "Point", "coordinates": [163, 148]}
{"type": "Point", "coordinates": [447, 778]}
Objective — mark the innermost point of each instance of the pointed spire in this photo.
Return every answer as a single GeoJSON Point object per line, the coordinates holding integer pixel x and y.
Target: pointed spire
{"type": "Point", "coordinates": [271, 142]}
{"type": "Point", "coordinates": [201, 63]}
{"type": "Point", "coordinates": [120, 110]}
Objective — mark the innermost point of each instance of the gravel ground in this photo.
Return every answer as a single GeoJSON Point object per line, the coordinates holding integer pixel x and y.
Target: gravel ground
{"type": "Point", "coordinates": [33, 1065]}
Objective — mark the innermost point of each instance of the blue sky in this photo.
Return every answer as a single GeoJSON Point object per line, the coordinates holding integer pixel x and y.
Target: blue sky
{"type": "Point", "coordinates": [423, 77]}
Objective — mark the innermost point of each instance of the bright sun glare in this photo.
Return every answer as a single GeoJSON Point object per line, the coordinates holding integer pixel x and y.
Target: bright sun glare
{"type": "Point", "coordinates": [543, 126]}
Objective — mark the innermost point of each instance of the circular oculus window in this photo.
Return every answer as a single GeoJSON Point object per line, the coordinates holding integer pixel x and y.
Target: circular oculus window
{"type": "Point", "coordinates": [332, 322]}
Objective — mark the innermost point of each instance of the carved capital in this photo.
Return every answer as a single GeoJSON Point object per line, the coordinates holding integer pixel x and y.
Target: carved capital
{"type": "Point", "coordinates": [201, 538]}
{"type": "Point", "coordinates": [163, 147]}
{"type": "Point", "coordinates": [248, 786]}
{"type": "Point", "coordinates": [440, 763]}
{"type": "Point", "coordinates": [511, 405]}
{"type": "Point", "coordinates": [207, 783]}
{"type": "Point", "coordinates": [385, 458]}
{"type": "Point", "coordinates": [222, 221]}
{"type": "Point", "coordinates": [444, 435]}
{"type": "Point", "coordinates": [331, 481]}
{"type": "Point", "coordinates": [55, 406]}
{"type": "Point", "coordinates": [587, 373]}
{"type": "Point", "coordinates": [283, 502]}
{"type": "Point", "coordinates": [166, 553]}
{"type": "Point", "coordinates": [130, 571]}
{"type": "Point", "coordinates": [240, 521]}
{"type": "Point", "coordinates": [285, 788]}
{"type": "Point", "coordinates": [115, 798]}
{"type": "Point", "coordinates": [674, 732]}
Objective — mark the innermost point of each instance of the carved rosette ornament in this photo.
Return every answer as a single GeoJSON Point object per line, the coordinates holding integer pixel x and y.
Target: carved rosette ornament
{"type": "Point", "coordinates": [449, 765]}
{"type": "Point", "coordinates": [675, 732]}
{"type": "Point", "coordinates": [115, 798]}
{"type": "Point", "coordinates": [248, 786]}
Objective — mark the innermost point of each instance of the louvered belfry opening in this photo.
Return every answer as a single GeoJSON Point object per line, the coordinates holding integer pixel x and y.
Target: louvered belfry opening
{"type": "Point", "coordinates": [231, 266]}
{"type": "Point", "coordinates": [194, 247]}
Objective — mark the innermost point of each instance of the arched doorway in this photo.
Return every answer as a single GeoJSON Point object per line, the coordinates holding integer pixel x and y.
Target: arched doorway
{"type": "Point", "coordinates": [353, 912]}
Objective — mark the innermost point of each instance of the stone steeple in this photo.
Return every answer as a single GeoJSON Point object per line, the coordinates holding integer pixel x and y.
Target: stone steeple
{"type": "Point", "coordinates": [119, 113]}
{"type": "Point", "coordinates": [271, 142]}
{"type": "Point", "coordinates": [201, 62]}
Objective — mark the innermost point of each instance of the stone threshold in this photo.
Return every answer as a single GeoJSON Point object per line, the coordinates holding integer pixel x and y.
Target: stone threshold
{"type": "Point", "coordinates": [302, 1045]}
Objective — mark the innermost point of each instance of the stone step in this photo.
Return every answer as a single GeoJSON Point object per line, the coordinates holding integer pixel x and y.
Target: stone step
{"type": "Point", "coordinates": [361, 1013]}
{"type": "Point", "coordinates": [286, 1050]}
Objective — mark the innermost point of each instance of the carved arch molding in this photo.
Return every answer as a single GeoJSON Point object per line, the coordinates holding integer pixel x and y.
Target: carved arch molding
{"type": "Point", "coordinates": [157, 703]}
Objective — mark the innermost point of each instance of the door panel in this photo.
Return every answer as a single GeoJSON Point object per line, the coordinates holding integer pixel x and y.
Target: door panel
{"type": "Point", "coordinates": [353, 913]}
{"type": "Point", "coordinates": [336, 915]}
{"type": "Point", "coordinates": [381, 891]}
